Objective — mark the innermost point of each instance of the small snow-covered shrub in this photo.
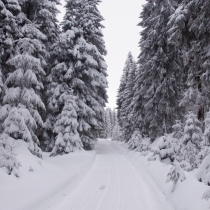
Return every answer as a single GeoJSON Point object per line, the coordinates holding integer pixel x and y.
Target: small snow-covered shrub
{"type": "Point", "coordinates": [191, 143]}
{"type": "Point", "coordinates": [7, 157]}
{"type": "Point", "coordinates": [135, 140]}
{"type": "Point", "coordinates": [177, 130]}
{"type": "Point", "coordinates": [61, 146]}
{"type": "Point", "coordinates": [168, 145]}
{"type": "Point", "coordinates": [139, 143]}
{"type": "Point", "coordinates": [207, 130]}
{"type": "Point", "coordinates": [203, 173]}
{"type": "Point", "coordinates": [143, 147]}
{"type": "Point", "coordinates": [176, 173]}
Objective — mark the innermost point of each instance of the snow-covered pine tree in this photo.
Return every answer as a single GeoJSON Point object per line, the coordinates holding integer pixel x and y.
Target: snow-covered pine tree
{"type": "Point", "coordinates": [121, 90]}
{"type": "Point", "coordinates": [66, 125]}
{"type": "Point", "coordinates": [47, 19]}
{"type": "Point", "coordinates": [190, 32]}
{"type": "Point", "coordinates": [169, 145]}
{"type": "Point", "coordinates": [135, 140]}
{"type": "Point", "coordinates": [89, 81]}
{"type": "Point", "coordinates": [114, 117]}
{"type": "Point", "coordinates": [176, 173]}
{"type": "Point", "coordinates": [191, 143]}
{"type": "Point", "coordinates": [117, 133]}
{"type": "Point", "coordinates": [59, 81]}
{"type": "Point", "coordinates": [110, 120]}
{"type": "Point", "coordinates": [84, 14]}
{"type": "Point", "coordinates": [73, 57]}
{"type": "Point", "coordinates": [126, 108]}
{"type": "Point", "coordinates": [102, 133]}
{"type": "Point", "coordinates": [44, 12]}
{"type": "Point", "coordinates": [7, 157]}
{"type": "Point", "coordinates": [206, 134]}
{"type": "Point", "coordinates": [20, 115]}
{"type": "Point", "coordinates": [9, 10]}
{"type": "Point", "coordinates": [157, 86]}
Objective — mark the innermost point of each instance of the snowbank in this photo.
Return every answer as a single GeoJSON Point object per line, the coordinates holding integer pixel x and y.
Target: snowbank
{"type": "Point", "coordinates": [187, 195]}
{"type": "Point", "coordinates": [41, 180]}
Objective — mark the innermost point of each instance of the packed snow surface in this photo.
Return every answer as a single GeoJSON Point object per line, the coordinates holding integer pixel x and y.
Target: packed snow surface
{"type": "Point", "coordinates": [102, 180]}
{"type": "Point", "coordinates": [113, 183]}
{"type": "Point", "coordinates": [109, 178]}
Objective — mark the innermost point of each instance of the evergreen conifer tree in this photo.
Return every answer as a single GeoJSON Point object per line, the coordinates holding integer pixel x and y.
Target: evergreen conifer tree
{"type": "Point", "coordinates": [20, 115]}
{"type": "Point", "coordinates": [121, 90]}
{"type": "Point", "coordinates": [126, 109]}
{"type": "Point", "coordinates": [189, 31]}
{"type": "Point", "coordinates": [157, 86]}
{"type": "Point", "coordinates": [191, 143]}
{"type": "Point", "coordinates": [9, 32]}
{"type": "Point", "coordinates": [89, 82]}
{"type": "Point", "coordinates": [66, 125]}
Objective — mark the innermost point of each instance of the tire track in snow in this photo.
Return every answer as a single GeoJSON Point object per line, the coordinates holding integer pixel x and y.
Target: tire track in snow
{"type": "Point", "coordinates": [145, 176]}
{"type": "Point", "coordinates": [114, 183]}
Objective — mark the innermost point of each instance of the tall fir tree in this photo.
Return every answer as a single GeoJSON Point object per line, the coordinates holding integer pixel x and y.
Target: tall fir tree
{"type": "Point", "coordinates": [125, 111]}
{"type": "Point", "coordinates": [20, 114]}
{"type": "Point", "coordinates": [91, 71]}
{"type": "Point", "coordinates": [189, 31]}
{"type": "Point", "coordinates": [158, 85]}
{"type": "Point", "coordinates": [66, 125]}
{"type": "Point", "coordinates": [120, 91]}
{"type": "Point", "coordinates": [9, 32]}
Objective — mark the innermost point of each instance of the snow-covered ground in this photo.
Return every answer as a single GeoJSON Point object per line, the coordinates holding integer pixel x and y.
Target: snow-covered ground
{"type": "Point", "coordinates": [109, 178]}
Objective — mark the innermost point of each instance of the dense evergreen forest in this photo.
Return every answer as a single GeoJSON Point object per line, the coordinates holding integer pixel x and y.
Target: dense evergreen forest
{"type": "Point", "coordinates": [53, 81]}
{"type": "Point", "coordinates": [163, 98]}
{"type": "Point", "coordinates": [52, 76]}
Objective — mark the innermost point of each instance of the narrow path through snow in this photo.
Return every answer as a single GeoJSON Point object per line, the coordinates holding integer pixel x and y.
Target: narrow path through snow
{"type": "Point", "coordinates": [114, 183]}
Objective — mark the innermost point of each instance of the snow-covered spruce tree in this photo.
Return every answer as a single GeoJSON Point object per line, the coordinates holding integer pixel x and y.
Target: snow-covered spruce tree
{"type": "Point", "coordinates": [89, 81]}
{"type": "Point", "coordinates": [109, 119]}
{"type": "Point", "coordinates": [84, 14]}
{"type": "Point", "coordinates": [109, 122]}
{"type": "Point", "coordinates": [207, 130]}
{"type": "Point", "coordinates": [191, 143]}
{"type": "Point", "coordinates": [126, 108]}
{"type": "Point", "coordinates": [114, 117]}
{"type": "Point", "coordinates": [176, 173]}
{"type": "Point", "coordinates": [135, 140]}
{"type": "Point", "coordinates": [203, 175]}
{"type": "Point", "coordinates": [47, 19]}
{"type": "Point", "coordinates": [66, 125]}
{"type": "Point", "coordinates": [190, 31]}
{"type": "Point", "coordinates": [9, 10]}
{"type": "Point", "coordinates": [20, 113]}
{"type": "Point", "coordinates": [44, 12]}
{"type": "Point", "coordinates": [7, 157]}
{"type": "Point", "coordinates": [169, 145]}
{"type": "Point", "coordinates": [74, 66]}
{"type": "Point", "coordinates": [157, 87]}
{"type": "Point", "coordinates": [117, 134]}
{"type": "Point", "coordinates": [102, 133]}
{"type": "Point", "coordinates": [121, 89]}
{"type": "Point", "coordinates": [206, 139]}
{"type": "Point", "coordinates": [58, 82]}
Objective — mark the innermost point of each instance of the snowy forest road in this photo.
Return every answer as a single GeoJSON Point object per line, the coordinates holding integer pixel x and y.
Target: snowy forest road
{"type": "Point", "coordinates": [114, 183]}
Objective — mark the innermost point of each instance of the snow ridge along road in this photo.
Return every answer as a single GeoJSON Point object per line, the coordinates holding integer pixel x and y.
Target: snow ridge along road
{"type": "Point", "coordinates": [114, 183]}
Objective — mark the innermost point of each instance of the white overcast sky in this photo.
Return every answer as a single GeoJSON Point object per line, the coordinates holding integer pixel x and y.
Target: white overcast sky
{"type": "Point", "coordinates": [121, 35]}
